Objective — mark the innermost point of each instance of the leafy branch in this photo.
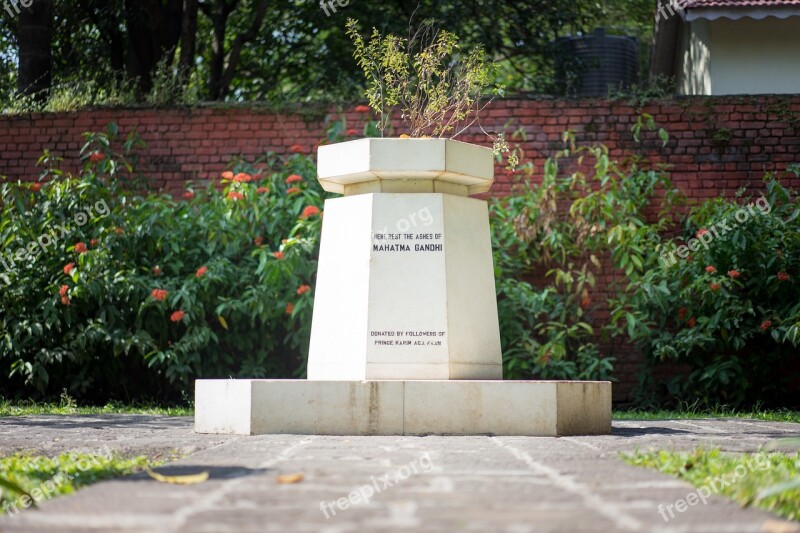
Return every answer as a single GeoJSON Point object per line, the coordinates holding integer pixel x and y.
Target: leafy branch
{"type": "Point", "coordinates": [439, 89]}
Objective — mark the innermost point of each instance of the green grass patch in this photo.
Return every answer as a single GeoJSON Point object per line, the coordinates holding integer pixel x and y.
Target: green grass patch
{"type": "Point", "coordinates": [773, 415]}
{"type": "Point", "coordinates": [67, 406]}
{"type": "Point", "coordinates": [29, 479]}
{"type": "Point", "coordinates": [745, 478]}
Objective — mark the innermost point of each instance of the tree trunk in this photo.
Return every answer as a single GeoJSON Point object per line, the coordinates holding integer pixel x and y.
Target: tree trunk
{"type": "Point", "coordinates": [35, 55]}
{"type": "Point", "coordinates": [219, 20]}
{"type": "Point", "coordinates": [188, 37]}
{"type": "Point", "coordinates": [239, 43]}
{"type": "Point", "coordinates": [153, 30]}
{"type": "Point", "coordinates": [139, 61]}
{"type": "Point", "coordinates": [222, 74]}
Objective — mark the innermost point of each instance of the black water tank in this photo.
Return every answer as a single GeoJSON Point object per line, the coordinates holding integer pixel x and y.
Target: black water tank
{"type": "Point", "coordinates": [588, 65]}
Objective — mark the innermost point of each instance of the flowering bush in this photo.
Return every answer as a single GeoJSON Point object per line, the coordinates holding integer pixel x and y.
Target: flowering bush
{"type": "Point", "coordinates": [729, 311]}
{"type": "Point", "coordinates": [725, 309]}
{"type": "Point", "coordinates": [136, 304]}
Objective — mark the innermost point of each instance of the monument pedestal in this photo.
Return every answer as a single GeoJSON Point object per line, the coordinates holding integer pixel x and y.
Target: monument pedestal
{"type": "Point", "coordinates": [405, 290]}
{"type": "Point", "coordinates": [405, 338]}
{"type": "Point", "coordinates": [422, 407]}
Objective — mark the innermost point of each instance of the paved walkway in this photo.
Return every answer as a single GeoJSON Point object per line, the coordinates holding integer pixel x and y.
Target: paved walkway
{"type": "Point", "coordinates": [512, 484]}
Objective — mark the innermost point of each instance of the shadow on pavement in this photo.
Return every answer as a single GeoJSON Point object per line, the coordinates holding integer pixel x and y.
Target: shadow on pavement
{"type": "Point", "coordinates": [214, 472]}
{"type": "Point", "coordinates": [653, 430]}
{"type": "Point", "coordinates": [96, 421]}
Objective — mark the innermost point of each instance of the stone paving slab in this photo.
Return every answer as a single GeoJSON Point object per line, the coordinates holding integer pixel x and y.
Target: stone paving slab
{"type": "Point", "coordinates": [128, 434]}
{"type": "Point", "coordinates": [513, 484]}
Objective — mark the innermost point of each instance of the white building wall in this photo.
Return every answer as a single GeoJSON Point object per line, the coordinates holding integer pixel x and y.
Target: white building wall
{"type": "Point", "coordinates": [755, 56]}
{"type": "Point", "coordinates": [744, 56]}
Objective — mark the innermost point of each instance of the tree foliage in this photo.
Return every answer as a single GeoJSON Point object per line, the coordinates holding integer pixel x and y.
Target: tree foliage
{"type": "Point", "coordinates": [291, 50]}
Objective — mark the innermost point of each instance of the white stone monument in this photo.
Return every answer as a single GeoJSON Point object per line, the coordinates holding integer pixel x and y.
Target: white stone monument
{"type": "Point", "coordinates": [405, 288]}
{"type": "Point", "coordinates": [405, 337]}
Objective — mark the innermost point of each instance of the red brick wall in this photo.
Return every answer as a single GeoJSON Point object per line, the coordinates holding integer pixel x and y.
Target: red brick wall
{"type": "Point", "coordinates": [717, 144]}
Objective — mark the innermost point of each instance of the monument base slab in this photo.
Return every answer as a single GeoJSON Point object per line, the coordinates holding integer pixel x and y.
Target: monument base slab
{"type": "Point", "coordinates": [410, 407]}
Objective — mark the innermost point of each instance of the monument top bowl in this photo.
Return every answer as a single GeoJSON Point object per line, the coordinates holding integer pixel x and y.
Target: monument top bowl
{"type": "Point", "coordinates": [405, 165]}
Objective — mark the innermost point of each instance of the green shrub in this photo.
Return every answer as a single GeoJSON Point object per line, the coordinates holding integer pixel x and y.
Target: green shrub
{"type": "Point", "coordinates": [235, 259]}
{"type": "Point", "coordinates": [437, 88]}
{"type": "Point", "coordinates": [730, 308]}
{"type": "Point", "coordinates": [735, 327]}
{"type": "Point", "coordinates": [550, 240]}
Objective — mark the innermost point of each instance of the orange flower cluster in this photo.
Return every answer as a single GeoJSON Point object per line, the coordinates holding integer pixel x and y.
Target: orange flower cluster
{"type": "Point", "coordinates": [36, 187]}
{"type": "Point", "coordinates": [241, 177]}
{"type": "Point", "coordinates": [292, 190]}
{"type": "Point", "coordinates": [783, 276]}
{"type": "Point", "coordinates": [234, 195]}
{"type": "Point", "coordinates": [96, 157]}
{"type": "Point", "coordinates": [69, 268]}
{"type": "Point", "coordinates": [710, 269]}
{"type": "Point", "coordinates": [63, 292]}
{"type": "Point", "coordinates": [177, 316]}
{"type": "Point", "coordinates": [81, 248]}
{"type": "Point", "coordinates": [188, 195]}
{"type": "Point", "coordinates": [310, 211]}
{"type": "Point", "coordinates": [363, 109]}
{"type": "Point", "coordinates": [296, 149]}
{"type": "Point", "coordinates": [159, 294]}
{"type": "Point", "coordinates": [303, 289]}
{"type": "Point", "coordinates": [294, 178]}
{"type": "Point", "coordinates": [279, 255]}
{"type": "Point", "coordinates": [682, 312]}
{"type": "Point", "coordinates": [734, 274]}
{"type": "Point", "coordinates": [766, 325]}
{"type": "Point", "coordinates": [289, 308]}
{"type": "Point", "coordinates": [201, 272]}
{"type": "Point", "coordinates": [262, 190]}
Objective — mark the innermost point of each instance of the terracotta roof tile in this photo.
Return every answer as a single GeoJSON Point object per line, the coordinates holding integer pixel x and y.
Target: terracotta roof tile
{"type": "Point", "coordinates": [741, 3]}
